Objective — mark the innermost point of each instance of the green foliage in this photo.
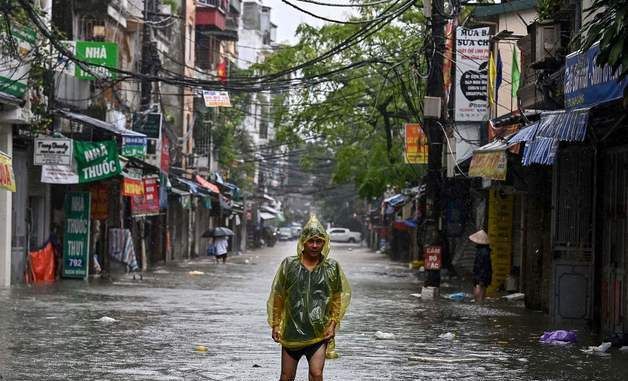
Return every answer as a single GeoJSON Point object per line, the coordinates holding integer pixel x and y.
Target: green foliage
{"type": "Point", "coordinates": [547, 9]}
{"type": "Point", "coordinates": [356, 114]}
{"type": "Point", "coordinates": [607, 24]}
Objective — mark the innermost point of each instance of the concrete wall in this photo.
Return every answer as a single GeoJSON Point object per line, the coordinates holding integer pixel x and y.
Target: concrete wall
{"type": "Point", "coordinates": [6, 146]}
{"type": "Point", "coordinates": [511, 22]}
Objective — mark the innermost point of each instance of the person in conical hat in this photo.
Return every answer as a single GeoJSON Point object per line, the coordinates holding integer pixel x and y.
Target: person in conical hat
{"type": "Point", "coordinates": [308, 299]}
{"type": "Point", "coordinates": [482, 267]}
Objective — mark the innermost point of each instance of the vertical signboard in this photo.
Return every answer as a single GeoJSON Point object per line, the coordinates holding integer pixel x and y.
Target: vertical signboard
{"type": "Point", "coordinates": [416, 145]}
{"type": "Point", "coordinates": [76, 235]}
{"type": "Point", "coordinates": [472, 51]}
{"type": "Point", "coordinates": [148, 203]}
{"type": "Point", "coordinates": [432, 256]}
{"type": "Point", "coordinates": [500, 214]}
{"type": "Point", "coordinates": [7, 178]}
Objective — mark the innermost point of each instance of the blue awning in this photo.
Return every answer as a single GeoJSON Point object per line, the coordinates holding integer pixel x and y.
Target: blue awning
{"type": "Point", "coordinates": [543, 137]}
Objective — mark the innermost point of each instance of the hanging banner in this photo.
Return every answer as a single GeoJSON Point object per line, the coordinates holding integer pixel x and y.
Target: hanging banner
{"type": "Point", "coordinates": [132, 184]}
{"type": "Point", "coordinates": [491, 165]}
{"type": "Point", "coordinates": [163, 191]}
{"type": "Point", "coordinates": [14, 63]}
{"type": "Point", "coordinates": [448, 57]}
{"type": "Point", "coordinates": [164, 161]}
{"type": "Point", "coordinates": [472, 51]}
{"type": "Point", "coordinates": [96, 161]}
{"type": "Point", "coordinates": [7, 178]}
{"type": "Point", "coordinates": [148, 204]}
{"type": "Point", "coordinates": [416, 145]}
{"type": "Point", "coordinates": [134, 146]}
{"type": "Point", "coordinates": [500, 215]}
{"type": "Point", "coordinates": [216, 98]}
{"type": "Point", "coordinates": [56, 151]}
{"type": "Point", "coordinates": [59, 174]}
{"type": "Point", "coordinates": [100, 200]}
{"type": "Point", "coordinates": [76, 235]}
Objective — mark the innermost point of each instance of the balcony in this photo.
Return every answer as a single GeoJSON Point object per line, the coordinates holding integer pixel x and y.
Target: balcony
{"type": "Point", "coordinates": [211, 17]}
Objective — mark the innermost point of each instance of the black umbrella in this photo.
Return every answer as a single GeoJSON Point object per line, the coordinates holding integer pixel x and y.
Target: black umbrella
{"type": "Point", "coordinates": [218, 232]}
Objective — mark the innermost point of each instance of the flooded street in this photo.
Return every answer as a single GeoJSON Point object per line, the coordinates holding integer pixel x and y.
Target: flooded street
{"type": "Point", "coordinates": [54, 333]}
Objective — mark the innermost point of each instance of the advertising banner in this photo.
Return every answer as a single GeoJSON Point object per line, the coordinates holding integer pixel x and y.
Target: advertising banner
{"type": "Point", "coordinates": [100, 200]}
{"type": "Point", "coordinates": [134, 146]}
{"type": "Point", "coordinates": [416, 146]}
{"type": "Point", "coordinates": [587, 84]}
{"type": "Point", "coordinates": [101, 53]}
{"type": "Point", "coordinates": [500, 215]}
{"type": "Point", "coordinates": [132, 184]}
{"type": "Point", "coordinates": [7, 179]}
{"type": "Point", "coordinates": [489, 165]}
{"type": "Point", "coordinates": [76, 235]}
{"type": "Point", "coordinates": [472, 53]}
{"type": "Point", "coordinates": [59, 174]}
{"type": "Point", "coordinates": [216, 98]}
{"type": "Point", "coordinates": [56, 151]}
{"type": "Point", "coordinates": [148, 204]}
{"type": "Point", "coordinates": [164, 160]}
{"type": "Point", "coordinates": [96, 161]}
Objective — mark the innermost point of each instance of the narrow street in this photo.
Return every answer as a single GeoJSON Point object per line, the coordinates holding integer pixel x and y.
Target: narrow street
{"type": "Point", "coordinates": [54, 333]}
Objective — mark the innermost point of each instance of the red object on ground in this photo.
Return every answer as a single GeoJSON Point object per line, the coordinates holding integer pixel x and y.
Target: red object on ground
{"type": "Point", "coordinates": [42, 265]}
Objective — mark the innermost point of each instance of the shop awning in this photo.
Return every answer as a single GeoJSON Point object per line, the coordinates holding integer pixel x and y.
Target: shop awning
{"type": "Point", "coordinates": [543, 137]}
{"type": "Point", "coordinates": [178, 192]}
{"type": "Point", "coordinates": [490, 161]}
{"type": "Point", "coordinates": [270, 210]}
{"type": "Point", "coordinates": [88, 120]}
{"type": "Point", "coordinates": [193, 187]}
{"type": "Point", "coordinates": [266, 216]}
{"type": "Point", "coordinates": [207, 185]}
{"type": "Point", "coordinates": [9, 99]}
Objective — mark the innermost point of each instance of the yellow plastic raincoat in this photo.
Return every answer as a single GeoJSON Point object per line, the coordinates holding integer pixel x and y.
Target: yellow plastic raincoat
{"type": "Point", "coordinates": [302, 304]}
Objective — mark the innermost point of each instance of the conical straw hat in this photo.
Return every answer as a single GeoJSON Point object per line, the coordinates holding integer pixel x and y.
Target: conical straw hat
{"type": "Point", "coordinates": [480, 237]}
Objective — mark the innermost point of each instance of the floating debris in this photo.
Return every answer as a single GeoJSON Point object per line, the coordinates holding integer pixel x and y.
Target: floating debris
{"type": "Point", "coordinates": [201, 348]}
{"type": "Point", "coordinates": [379, 335]}
{"type": "Point", "coordinates": [196, 272]}
{"type": "Point", "coordinates": [447, 336]}
{"type": "Point", "coordinates": [107, 319]}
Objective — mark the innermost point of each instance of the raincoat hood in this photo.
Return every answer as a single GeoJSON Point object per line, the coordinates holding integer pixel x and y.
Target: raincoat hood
{"type": "Point", "coordinates": [313, 229]}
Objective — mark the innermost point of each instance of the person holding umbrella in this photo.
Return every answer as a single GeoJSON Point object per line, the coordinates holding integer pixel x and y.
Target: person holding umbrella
{"type": "Point", "coordinates": [220, 244]}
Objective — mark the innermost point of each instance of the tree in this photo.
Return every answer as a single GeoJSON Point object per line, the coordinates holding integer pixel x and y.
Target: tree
{"type": "Point", "coordinates": [607, 24]}
{"type": "Point", "coordinates": [355, 103]}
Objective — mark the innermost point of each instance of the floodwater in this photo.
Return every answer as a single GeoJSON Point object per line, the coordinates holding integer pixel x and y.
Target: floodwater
{"type": "Point", "coordinates": [54, 332]}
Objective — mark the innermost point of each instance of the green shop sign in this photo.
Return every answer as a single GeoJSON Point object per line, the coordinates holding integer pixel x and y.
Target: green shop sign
{"type": "Point", "coordinates": [96, 161]}
{"type": "Point", "coordinates": [16, 50]}
{"type": "Point", "coordinates": [76, 235]}
{"type": "Point", "coordinates": [103, 54]}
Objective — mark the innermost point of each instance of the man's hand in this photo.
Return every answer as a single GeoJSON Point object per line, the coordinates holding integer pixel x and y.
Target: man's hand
{"type": "Point", "coordinates": [276, 335]}
{"type": "Point", "coordinates": [330, 332]}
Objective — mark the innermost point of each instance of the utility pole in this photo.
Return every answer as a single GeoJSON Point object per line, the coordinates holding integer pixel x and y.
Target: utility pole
{"type": "Point", "coordinates": [149, 65]}
{"type": "Point", "coordinates": [434, 131]}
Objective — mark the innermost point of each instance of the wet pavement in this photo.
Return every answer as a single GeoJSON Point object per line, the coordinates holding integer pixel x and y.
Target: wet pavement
{"type": "Point", "coordinates": [54, 332]}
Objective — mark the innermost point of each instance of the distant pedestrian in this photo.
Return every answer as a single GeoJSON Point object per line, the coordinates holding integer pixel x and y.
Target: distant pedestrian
{"type": "Point", "coordinates": [221, 244]}
{"type": "Point", "coordinates": [309, 297]}
{"type": "Point", "coordinates": [482, 268]}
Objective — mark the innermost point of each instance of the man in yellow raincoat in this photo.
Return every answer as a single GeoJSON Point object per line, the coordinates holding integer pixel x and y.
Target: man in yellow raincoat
{"type": "Point", "coordinates": [309, 297]}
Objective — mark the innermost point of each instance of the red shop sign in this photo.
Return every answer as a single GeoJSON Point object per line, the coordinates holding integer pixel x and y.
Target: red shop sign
{"type": "Point", "coordinates": [148, 204]}
{"type": "Point", "coordinates": [433, 257]}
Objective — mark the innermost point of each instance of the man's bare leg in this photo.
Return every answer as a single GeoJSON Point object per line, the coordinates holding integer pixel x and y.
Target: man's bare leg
{"type": "Point", "coordinates": [288, 367]}
{"type": "Point", "coordinates": [317, 363]}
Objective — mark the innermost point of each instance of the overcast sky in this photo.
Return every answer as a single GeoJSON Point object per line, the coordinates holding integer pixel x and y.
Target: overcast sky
{"type": "Point", "coordinates": [287, 18]}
